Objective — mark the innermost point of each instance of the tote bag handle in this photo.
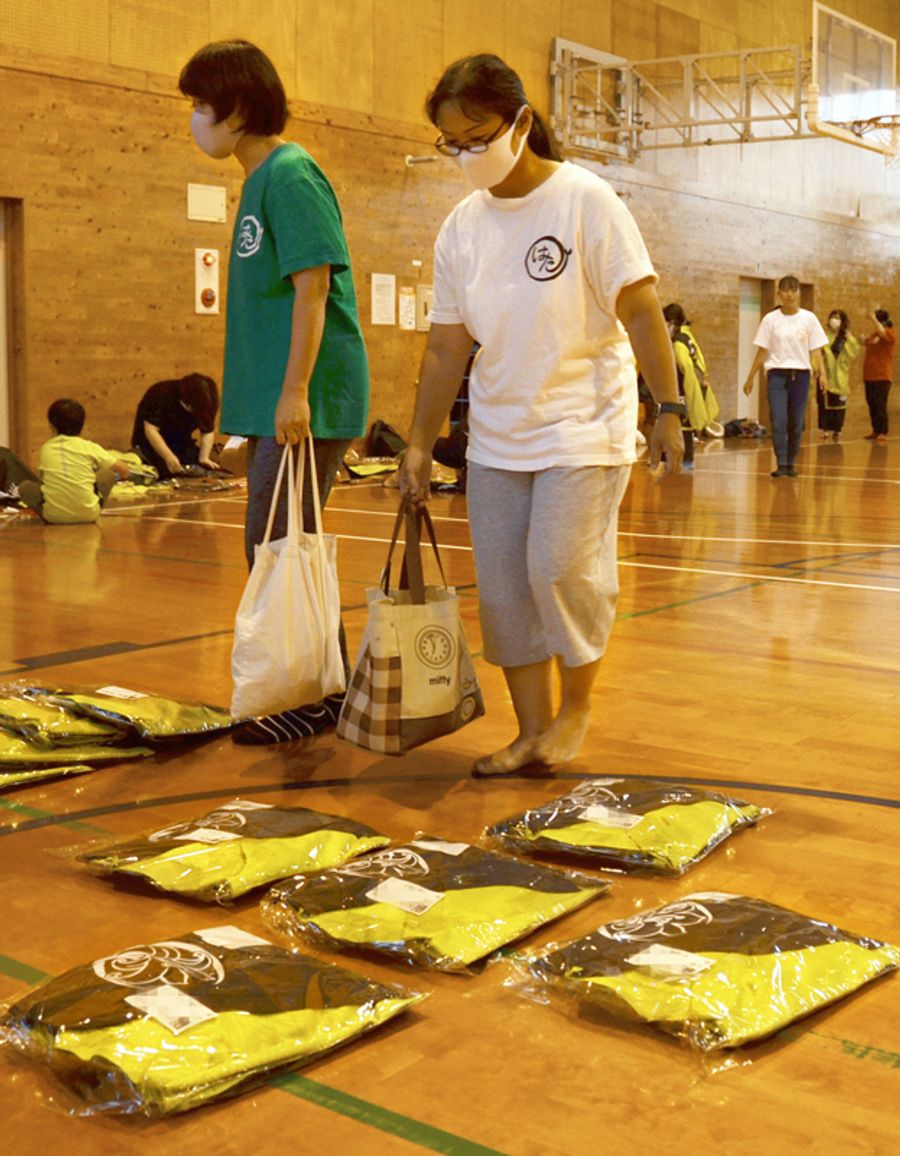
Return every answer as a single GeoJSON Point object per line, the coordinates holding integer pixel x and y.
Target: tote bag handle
{"type": "Point", "coordinates": [411, 575]}
{"type": "Point", "coordinates": [295, 493]}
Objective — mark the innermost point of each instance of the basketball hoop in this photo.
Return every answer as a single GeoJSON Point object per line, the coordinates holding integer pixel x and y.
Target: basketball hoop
{"type": "Point", "coordinates": [886, 130]}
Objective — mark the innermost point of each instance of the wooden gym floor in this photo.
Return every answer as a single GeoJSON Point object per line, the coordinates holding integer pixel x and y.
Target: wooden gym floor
{"type": "Point", "coordinates": [757, 647]}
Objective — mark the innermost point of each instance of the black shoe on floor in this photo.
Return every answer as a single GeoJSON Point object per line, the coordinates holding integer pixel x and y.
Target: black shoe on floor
{"type": "Point", "coordinates": [288, 725]}
{"type": "Point", "coordinates": [790, 471]}
{"type": "Point", "coordinates": [781, 472]}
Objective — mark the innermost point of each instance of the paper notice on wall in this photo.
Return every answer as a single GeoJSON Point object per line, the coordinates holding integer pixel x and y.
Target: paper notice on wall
{"type": "Point", "coordinates": [384, 299]}
{"type": "Point", "coordinates": [407, 301]}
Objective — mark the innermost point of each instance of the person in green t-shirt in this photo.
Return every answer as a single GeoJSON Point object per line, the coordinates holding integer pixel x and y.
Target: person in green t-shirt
{"type": "Point", "coordinates": [76, 475]}
{"type": "Point", "coordinates": [295, 360]}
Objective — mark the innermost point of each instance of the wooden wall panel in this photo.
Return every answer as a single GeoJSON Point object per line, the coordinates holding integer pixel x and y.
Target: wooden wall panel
{"type": "Point", "coordinates": [61, 28]}
{"type": "Point", "coordinates": [472, 26]}
{"type": "Point", "coordinates": [587, 22]}
{"type": "Point", "coordinates": [677, 33]}
{"type": "Point", "coordinates": [408, 56]}
{"type": "Point", "coordinates": [272, 26]}
{"type": "Point", "coordinates": [634, 30]}
{"type": "Point", "coordinates": [531, 26]}
{"type": "Point", "coordinates": [335, 53]}
{"type": "Point", "coordinates": [156, 35]}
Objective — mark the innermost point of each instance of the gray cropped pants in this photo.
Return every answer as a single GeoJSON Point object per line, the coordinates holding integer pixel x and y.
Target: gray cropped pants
{"type": "Point", "coordinates": [545, 556]}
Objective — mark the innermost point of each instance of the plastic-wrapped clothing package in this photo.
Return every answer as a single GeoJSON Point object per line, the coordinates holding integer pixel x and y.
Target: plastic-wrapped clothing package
{"type": "Point", "coordinates": [430, 903]}
{"type": "Point", "coordinates": [713, 969]}
{"type": "Point", "coordinates": [18, 751]}
{"type": "Point", "coordinates": [20, 776]}
{"type": "Point", "coordinates": [51, 725]}
{"type": "Point", "coordinates": [238, 846]}
{"type": "Point", "coordinates": [152, 716]}
{"type": "Point", "coordinates": [625, 824]}
{"type": "Point", "coordinates": [163, 1027]}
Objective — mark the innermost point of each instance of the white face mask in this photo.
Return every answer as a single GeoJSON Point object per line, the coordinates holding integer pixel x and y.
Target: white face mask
{"type": "Point", "coordinates": [216, 140]}
{"type": "Point", "coordinates": [834, 323]}
{"type": "Point", "coordinates": [487, 169]}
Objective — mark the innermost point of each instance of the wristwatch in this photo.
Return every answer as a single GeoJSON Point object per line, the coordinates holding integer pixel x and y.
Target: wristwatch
{"type": "Point", "coordinates": [672, 407]}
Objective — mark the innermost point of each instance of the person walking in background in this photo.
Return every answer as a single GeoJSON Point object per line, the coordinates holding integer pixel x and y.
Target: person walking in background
{"type": "Point", "coordinates": [878, 372]}
{"type": "Point", "coordinates": [787, 340]}
{"type": "Point", "coordinates": [544, 267]}
{"type": "Point", "coordinates": [832, 396]}
{"type": "Point", "coordinates": [170, 416]}
{"type": "Point", "coordinates": [295, 360]}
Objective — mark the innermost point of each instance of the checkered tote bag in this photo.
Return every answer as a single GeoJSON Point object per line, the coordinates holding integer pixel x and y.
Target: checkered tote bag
{"type": "Point", "coordinates": [414, 679]}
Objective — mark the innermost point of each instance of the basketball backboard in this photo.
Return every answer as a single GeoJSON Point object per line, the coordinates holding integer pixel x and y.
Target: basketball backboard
{"type": "Point", "coordinates": [854, 74]}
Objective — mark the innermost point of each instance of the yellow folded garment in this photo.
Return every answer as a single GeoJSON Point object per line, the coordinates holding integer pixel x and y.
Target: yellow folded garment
{"type": "Point", "coordinates": [432, 902]}
{"type": "Point", "coordinates": [629, 823]}
{"type": "Point", "coordinates": [713, 969]}
{"type": "Point", "coordinates": [166, 1026]}
{"type": "Point", "coordinates": [17, 751]}
{"type": "Point", "coordinates": [232, 849]}
{"type": "Point", "coordinates": [51, 725]}
{"type": "Point", "coordinates": [151, 715]}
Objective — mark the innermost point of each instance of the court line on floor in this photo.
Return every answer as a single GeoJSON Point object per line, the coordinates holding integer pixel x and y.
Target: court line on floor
{"type": "Point", "coordinates": [50, 820]}
{"type": "Point", "coordinates": [763, 578]}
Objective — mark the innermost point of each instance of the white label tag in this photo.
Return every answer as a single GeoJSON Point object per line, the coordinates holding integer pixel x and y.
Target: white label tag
{"type": "Point", "coordinates": [440, 845]}
{"type": "Point", "coordinates": [611, 817]}
{"type": "Point", "coordinates": [173, 1008]}
{"type": "Point", "coordinates": [721, 895]}
{"type": "Point", "coordinates": [230, 936]}
{"type": "Point", "coordinates": [405, 895]}
{"type": "Point", "coordinates": [668, 962]}
{"type": "Point", "coordinates": [245, 805]}
{"type": "Point", "coordinates": [206, 835]}
{"type": "Point", "coordinates": [120, 692]}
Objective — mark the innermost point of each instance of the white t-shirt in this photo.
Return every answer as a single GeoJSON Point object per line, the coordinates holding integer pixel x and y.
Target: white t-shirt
{"type": "Point", "coordinates": [788, 338]}
{"type": "Point", "coordinates": [535, 281]}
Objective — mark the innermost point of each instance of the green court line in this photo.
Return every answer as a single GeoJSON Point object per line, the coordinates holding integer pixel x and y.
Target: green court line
{"type": "Point", "coordinates": [36, 813]}
{"type": "Point", "coordinates": [18, 970]}
{"type": "Point", "coordinates": [426, 1136]}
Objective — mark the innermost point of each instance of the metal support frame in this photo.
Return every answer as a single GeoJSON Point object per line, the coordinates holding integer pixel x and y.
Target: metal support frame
{"type": "Point", "coordinates": [607, 107]}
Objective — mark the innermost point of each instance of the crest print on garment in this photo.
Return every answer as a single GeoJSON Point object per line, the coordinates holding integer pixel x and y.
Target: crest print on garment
{"type": "Point", "coordinates": [546, 259]}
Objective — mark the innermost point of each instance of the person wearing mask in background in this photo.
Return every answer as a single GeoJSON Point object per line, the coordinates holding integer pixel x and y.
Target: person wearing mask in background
{"type": "Point", "coordinates": [787, 340]}
{"type": "Point", "coordinates": [544, 267]}
{"type": "Point", "coordinates": [878, 373]}
{"type": "Point", "coordinates": [295, 360]}
{"type": "Point", "coordinates": [831, 398]}
{"type": "Point", "coordinates": [175, 423]}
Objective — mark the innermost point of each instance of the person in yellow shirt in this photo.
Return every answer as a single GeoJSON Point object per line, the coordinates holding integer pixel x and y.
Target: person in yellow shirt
{"type": "Point", "coordinates": [76, 475]}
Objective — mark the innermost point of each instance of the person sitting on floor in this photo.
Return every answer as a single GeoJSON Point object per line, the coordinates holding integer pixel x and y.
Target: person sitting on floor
{"type": "Point", "coordinates": [169, 416]}
{"type": "Point", "coordinates": [74, 476]}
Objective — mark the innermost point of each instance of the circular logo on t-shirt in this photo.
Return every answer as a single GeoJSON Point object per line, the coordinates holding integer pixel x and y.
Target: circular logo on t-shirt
{"type": "Point", "coordinates": [546, 259]}
{"type": "Point", "coordinates": [250, 235]}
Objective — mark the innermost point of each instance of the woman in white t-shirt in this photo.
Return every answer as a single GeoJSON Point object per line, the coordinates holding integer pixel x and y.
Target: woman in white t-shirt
{"type": "Point", "coordinates": [544, 267]}
{"type": "Point", "coordinates": [786, 341]}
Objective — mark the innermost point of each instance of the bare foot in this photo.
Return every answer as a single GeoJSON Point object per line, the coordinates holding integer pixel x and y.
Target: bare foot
{"type": "Point", "coordinates": [511, 758]}
{"type": "Point", "coordinates": [563, 739]}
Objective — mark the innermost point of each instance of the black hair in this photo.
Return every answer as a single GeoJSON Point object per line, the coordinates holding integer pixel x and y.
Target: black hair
{"type": "Point", "coordinates": [485, 84]}
{"type": "Point", "coordinates": [201, 395]}
{"type": "Point", "coordinates": [841, 336]}
{"type": "Point", "coordinates": [67, 417]}
{"type": "Point", "coordinates": [236, 76]}
{"type": "Point", "coordinates": [789, 282]}
{"type": "Point", "coordinates": [675, 315]}
{"type": "Point", "coordinates": [883, 316]}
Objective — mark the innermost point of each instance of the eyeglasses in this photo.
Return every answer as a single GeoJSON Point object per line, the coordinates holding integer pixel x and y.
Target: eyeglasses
{"type": "Point", "coordinates": [475, 146]}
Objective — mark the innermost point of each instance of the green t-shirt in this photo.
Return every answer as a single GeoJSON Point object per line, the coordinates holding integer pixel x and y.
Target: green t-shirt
{"type": "Point", "coordinates": [289, 220]}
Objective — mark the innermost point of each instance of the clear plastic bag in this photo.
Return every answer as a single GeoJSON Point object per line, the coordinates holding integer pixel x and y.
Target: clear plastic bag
{"type": "Point", "coordinates": [430, 903]}
{"type": "Point", "coordinates": [153, 716]}
{"type": "Point", "coordinates": [714, 970]}
{"type": "Point", "coordinates": [240, 845]}
{"type": "Point", "coordinates": [623, 824]}
{"type": "Point", "coordinates": [49, 724]}
{"type": "Point", "coordinates": [163, 1027]}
